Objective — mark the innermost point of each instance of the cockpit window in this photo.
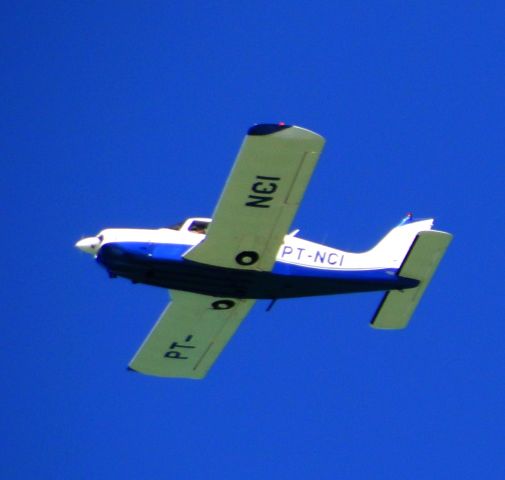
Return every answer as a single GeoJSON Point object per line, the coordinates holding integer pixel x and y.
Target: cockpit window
{"type": "Point", "coordinates": [198, 226]}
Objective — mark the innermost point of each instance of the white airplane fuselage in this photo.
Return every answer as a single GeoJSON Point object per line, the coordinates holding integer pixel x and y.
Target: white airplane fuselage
{"type": "Point", "coordinates": [302, 268]}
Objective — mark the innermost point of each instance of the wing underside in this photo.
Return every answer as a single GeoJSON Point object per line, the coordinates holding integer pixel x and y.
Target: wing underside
{"type": "Point", "coordinates": [260, 198]}
{"type": "Point", "coordinates": [254, 213]}
{"type": "Point", "coordinates": [189, 335]}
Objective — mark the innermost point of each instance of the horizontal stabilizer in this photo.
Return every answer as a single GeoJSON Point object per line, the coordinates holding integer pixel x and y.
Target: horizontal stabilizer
{"type": "Point", "coordinates": [425, 254]}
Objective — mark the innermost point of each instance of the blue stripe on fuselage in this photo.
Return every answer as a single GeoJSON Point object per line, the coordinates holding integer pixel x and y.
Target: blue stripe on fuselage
{"type": "Point", "coordinates": [164, 265]}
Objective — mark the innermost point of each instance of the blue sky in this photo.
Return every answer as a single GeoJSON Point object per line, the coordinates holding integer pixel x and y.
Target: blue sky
{"type": "Point", "coordinates": [131, 114]}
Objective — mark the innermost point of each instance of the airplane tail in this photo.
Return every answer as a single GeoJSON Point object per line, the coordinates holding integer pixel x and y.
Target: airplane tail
{"type": "Point", "coordinates": [395, 246]}
{"type": "Point", "coordinates": [419, 250]}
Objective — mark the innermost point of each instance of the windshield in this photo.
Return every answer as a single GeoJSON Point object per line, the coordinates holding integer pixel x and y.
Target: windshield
{"type": "Point", "coordinates": [198, 226]}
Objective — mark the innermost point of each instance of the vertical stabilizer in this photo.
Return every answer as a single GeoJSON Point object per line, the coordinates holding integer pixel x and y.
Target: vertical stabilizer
{"type": "Point", "coordinates": [396, 244]}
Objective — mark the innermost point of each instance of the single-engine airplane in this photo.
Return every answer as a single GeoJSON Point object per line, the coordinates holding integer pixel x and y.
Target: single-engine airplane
{"type": "Point", "coordinates": [217, 268]}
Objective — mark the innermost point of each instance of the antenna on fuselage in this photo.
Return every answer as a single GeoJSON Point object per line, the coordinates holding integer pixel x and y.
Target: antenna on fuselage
{"type": "Point", "coordinates": [271, 304]}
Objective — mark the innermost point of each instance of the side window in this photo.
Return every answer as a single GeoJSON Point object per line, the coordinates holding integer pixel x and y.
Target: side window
{"type": "Point", "coordinates": [198, 227]}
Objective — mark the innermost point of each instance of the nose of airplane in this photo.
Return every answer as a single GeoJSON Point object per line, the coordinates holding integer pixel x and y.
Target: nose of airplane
{"type": "Point", "coordinates": [88, 245]}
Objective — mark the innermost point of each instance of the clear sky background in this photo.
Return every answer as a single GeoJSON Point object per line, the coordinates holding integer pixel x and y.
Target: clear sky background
{"type": "Point", "coordinates": [120, 114]}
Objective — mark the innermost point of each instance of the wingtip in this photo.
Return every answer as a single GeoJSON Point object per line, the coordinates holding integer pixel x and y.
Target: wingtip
{"type": "Point", "coordinates": [267, 128]}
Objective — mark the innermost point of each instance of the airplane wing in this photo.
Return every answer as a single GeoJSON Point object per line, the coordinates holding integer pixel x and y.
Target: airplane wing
{"type": "Point", "coordinates": [189, 335]}
{"type": "Point", "coordinates": [260, 198]}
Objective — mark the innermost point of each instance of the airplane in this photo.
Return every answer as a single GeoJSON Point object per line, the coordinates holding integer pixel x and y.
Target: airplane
{"type": "Point", "coordinates": [216, 269]}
